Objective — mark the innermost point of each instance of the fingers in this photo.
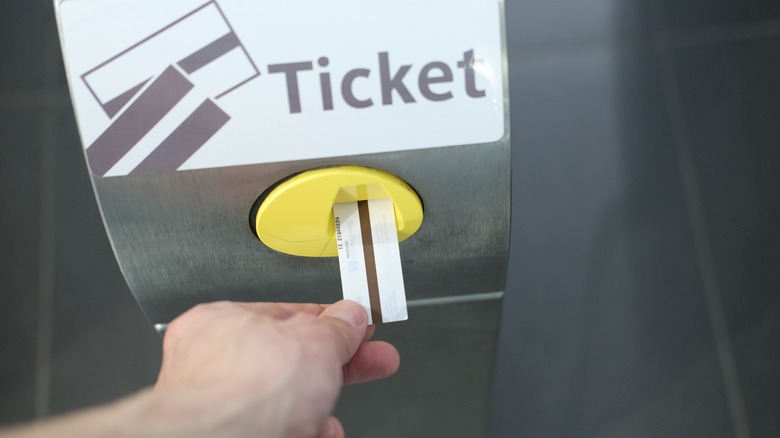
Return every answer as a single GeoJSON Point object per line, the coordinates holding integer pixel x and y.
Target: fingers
{"type": "Point", "coordinates": [349, 322]}
{"type": "Point", "coordinates": [362, 361]}
{"type": "Point", "coordinates": [373, 360]}
{"type": "Point", "coordinates": [283, 310]}
{"type": "Point", "coordinates": [209, 311]}
{"type": "Point", "coordinates": [332, 429]}
{"type": "Point", "coordinates": [369, 333]}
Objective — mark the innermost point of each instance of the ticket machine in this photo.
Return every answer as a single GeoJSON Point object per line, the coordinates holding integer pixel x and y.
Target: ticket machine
{"type": "Point", "coordinates": [192, 112]}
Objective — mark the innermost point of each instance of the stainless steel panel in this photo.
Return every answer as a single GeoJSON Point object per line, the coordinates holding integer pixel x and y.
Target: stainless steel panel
{"type": "Point", "coordinates": [442, 387]}
{"type": "Point", "coordinates": [182, 238]}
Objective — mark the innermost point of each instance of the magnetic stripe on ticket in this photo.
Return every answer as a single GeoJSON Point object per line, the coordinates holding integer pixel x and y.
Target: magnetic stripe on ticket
{"type": "Point", "coordinates": [368, 256]}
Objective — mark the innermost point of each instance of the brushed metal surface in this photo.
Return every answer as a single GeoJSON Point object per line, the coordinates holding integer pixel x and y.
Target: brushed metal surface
{"type": "Point", "coordinates": [443, 385]}
{"type": "Point", "coordinates": [183, 238]}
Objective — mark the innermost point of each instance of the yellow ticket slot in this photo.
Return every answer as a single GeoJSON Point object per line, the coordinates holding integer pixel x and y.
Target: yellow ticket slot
{"type": "Point", "coordinates": [296, 216]}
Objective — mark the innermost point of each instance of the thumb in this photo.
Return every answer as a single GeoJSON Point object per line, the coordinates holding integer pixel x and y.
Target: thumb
{"type": "Point", "coordinates": [349, 322]}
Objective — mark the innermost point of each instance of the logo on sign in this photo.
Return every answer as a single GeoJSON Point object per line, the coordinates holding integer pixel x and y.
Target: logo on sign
{"type": "Point", "coordinates": [144, 85]}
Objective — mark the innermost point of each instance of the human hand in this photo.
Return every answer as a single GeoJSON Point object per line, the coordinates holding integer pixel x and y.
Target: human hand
{"type": "Point", "coordinates": [266, 369]}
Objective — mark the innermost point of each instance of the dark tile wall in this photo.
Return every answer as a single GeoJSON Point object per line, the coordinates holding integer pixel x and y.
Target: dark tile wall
{"type": "Point", "coordinates": [642, 296]}
{"type": "Point", "coordinates": [606, 329]}
{"type": "Point", "coordinates": [643, 287]}
{"type": "Point", "coordinates": [71, 335]}
{"type": "Point", "coordinates": [730, 94]}
{"type": "Point", "coordinates": [22, 49]}
{"type": "Point", "coordinates": [703, 13]}
{"type": "Point", "coordinates": [20, 188]}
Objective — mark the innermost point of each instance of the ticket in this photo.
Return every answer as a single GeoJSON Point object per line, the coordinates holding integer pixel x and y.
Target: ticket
{"type": "Point", "coordinates": [369, 259]}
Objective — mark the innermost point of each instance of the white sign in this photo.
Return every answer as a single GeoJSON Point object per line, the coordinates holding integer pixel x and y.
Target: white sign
{"type": "Point", "coordinates": [165, 85]}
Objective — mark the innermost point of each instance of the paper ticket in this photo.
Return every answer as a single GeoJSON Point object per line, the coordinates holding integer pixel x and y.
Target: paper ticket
{"type": "Point", "coordinates": [369, 259]}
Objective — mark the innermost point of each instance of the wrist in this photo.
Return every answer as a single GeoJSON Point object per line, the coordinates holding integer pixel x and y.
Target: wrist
{"type": "Point", "coordinates": [194, 412]}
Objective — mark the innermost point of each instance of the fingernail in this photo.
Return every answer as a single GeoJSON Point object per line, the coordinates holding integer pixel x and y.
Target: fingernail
{"type": "Point", "coordinates": [332, 428]}
{"type": "Point", "coordinates": [348, 311]}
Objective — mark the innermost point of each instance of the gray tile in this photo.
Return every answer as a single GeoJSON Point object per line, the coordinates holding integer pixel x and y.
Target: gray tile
{"type": "Point", "coordinates": [22, 35]}
{"type": "Point", "coordinates": [605, 330]}
{"type": "Point", "coordinates": [103, 346]}
{"type": "Point", "coordinates": [700, 13]}
{"type": "Point", "coordinates": [573, 22]}
{"type": "Point", "coordinates": [441, 389]}
{"type": "Point", "coordinates": [20, 169]}
{"type": "Point", "coordinates": [731, 102]}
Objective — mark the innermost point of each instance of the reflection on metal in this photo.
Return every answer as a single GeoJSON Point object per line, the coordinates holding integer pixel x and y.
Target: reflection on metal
{"type": "Point", "coordinates": [455, 299]}
{"type": "Point", "coordinates": [183, 238]}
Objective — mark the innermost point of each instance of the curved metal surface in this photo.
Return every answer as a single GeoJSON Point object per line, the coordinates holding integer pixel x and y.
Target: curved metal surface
{"type": "Point", "coordinates": [183, 238]}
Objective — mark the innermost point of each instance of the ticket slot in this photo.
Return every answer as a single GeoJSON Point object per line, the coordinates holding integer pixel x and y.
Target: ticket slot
{"type": "Point", "coordinates": [295, 216]}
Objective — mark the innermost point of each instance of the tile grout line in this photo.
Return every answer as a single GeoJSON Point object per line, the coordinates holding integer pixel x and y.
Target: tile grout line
{"type": "Point", "coordinates": [698, 222]}
{"type": "Point", "coordinates": [47, 229]}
